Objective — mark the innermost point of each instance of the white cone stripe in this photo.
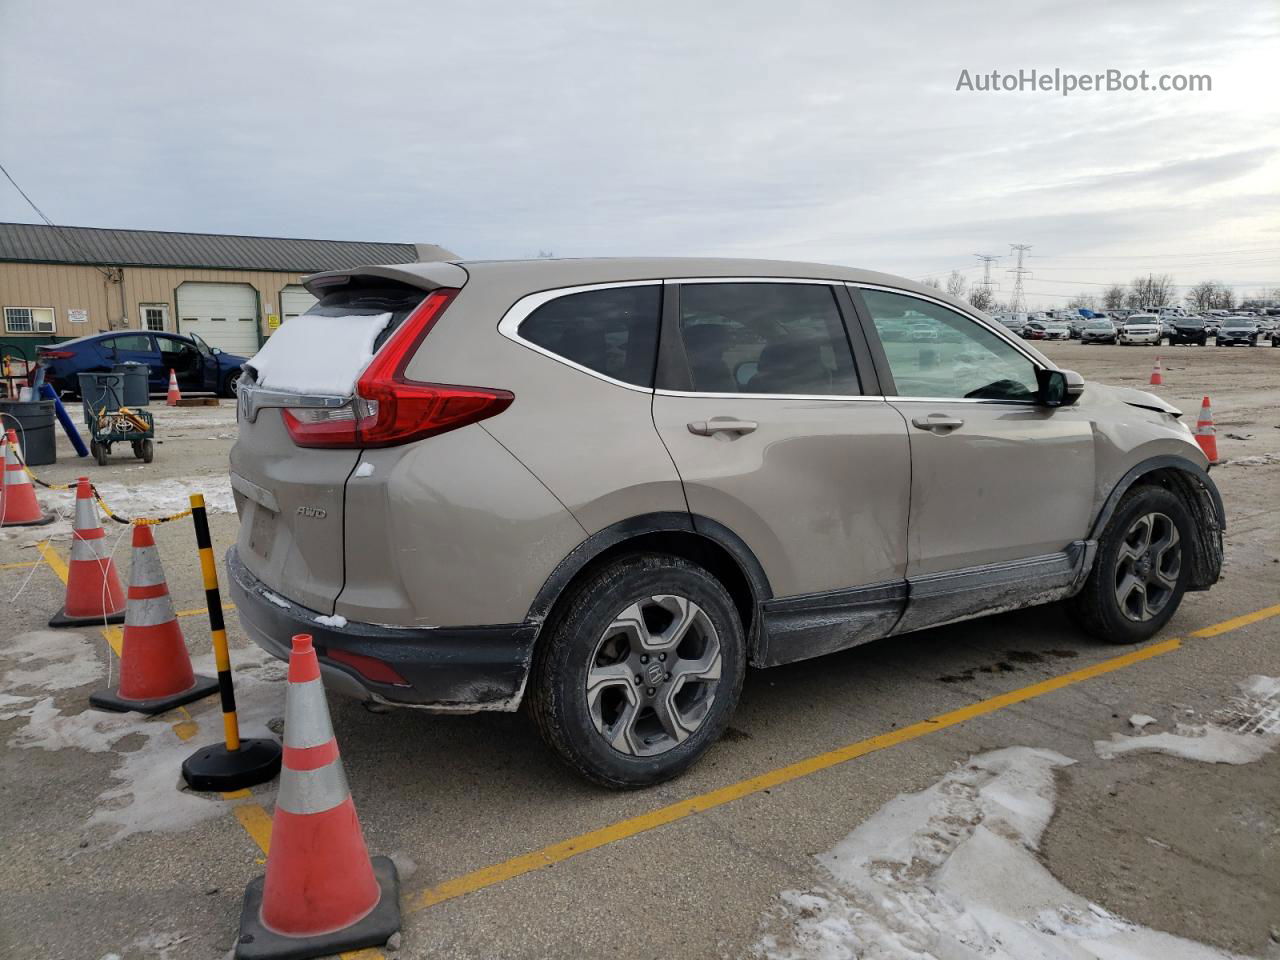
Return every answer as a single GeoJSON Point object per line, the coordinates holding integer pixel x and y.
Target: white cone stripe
{"type": "Point", "coordinates": [312, 791]}
{"type": "Point", "coordinates": [16, 478]}
{"type": "Point", "coordinates": [86, 515]}
{"type": "Point", "coordinates": [148, 611]}
{"type": "Point", "coordinates": [145, 571]}
{"type": "Point", "coordinates": [89, 549]}
{"type": "Point", "coordinates": [306, 715]}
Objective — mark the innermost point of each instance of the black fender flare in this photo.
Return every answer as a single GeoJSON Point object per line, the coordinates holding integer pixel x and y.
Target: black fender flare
{"type": "Point", "coordinates": [649, 523]}
{"type": "Point", "coordinates": [1203, 490]}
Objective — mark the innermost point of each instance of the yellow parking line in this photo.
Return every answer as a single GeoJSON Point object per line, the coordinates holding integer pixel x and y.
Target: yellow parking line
{"type": "Point", "coordinates": [1236, 623]}
{"type": "Point", "coordinates": [20, 563]}
{"type": "Point", "coordinates": [564, 850]}
{"type": "Point", "coordinates": [51, 557]}
{"type": "Point", "coordinates": [558, 852]}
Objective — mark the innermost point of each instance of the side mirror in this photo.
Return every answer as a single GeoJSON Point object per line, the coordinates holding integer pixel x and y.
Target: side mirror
{"type": "Point", "coordinates": [215, 350]}
{"type": "Point", "coordinates": [1059, 388]}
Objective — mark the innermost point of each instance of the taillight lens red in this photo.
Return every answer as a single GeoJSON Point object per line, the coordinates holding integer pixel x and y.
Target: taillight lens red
{"type": "Point", "coordinates": [368, 667]}
{"type": "Point", "coordinates": [54, 354]}
{"type": "Point", "coordinates": [390, 409]}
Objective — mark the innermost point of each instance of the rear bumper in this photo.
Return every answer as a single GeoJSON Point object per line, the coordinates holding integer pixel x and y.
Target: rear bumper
{"type": "Point", "coordinates": [446, 669]}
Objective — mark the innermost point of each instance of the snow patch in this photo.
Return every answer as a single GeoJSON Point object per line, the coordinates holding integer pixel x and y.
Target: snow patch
{"type": "Point", "coordinates": [1140, 721]}
{"type": "Point", "coordinates": [50, 660]}
{"type": "Point", "coordinates": [318, 354]}
{"type": "Point", "coordinates": [336, 620]}
{"type": "Point", "coordinates": [951, 872]}
{"type": "Point", "coordinates": [163, 497]}
{"type": "Point", "coordinates": [278, 601]}
{"type": "Point", "coordinates": [145, 792]}
{"type": "Point", "coordinates": [365, 469]}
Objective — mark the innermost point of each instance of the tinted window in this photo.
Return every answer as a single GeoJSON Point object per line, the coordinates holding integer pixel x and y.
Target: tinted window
{"type": "Point", "coordinates": [961, 359]}
{"type": "Point", "coordinates": [765, 338]}
{"type": "Point", "coordinates": [613, 332]}
{"type": "Point", "coordinates": [362, 297]}
{"type": "Point", "coordinates": [136, 342]}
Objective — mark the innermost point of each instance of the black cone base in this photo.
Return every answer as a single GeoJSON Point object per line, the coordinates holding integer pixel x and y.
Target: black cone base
{"type": "Point", "coordinates": [217, 768]}
{"type": "Point", "coordinates": [258, 943]}
{"type": "Point", "coordinates": [60, 619]}
{"type": "Point", "coordinates": [43, 519]}
{"type": "Point", "coordinates": [111, 699]}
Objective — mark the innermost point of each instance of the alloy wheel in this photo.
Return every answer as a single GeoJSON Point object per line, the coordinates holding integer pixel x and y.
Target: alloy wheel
{"type": "Point", "coordinates": [653, 675]}
{"type": "Point", "coordinates": [1147, 566]}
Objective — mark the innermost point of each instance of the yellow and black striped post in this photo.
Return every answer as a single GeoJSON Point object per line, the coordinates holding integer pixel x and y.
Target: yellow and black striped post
{"type": "Point", "coordinates": [235, 763]}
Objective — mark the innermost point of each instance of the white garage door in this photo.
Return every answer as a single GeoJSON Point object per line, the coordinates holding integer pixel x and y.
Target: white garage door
{"type": "Point", "coordinates": [294, 300]}
{"type": "Point", "coordinates": [224, 314]}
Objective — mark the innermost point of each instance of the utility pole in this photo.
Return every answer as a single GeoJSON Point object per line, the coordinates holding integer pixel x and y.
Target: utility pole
{"type": "Point", "coordinates": [1017, 303]}
{"type": "Point", "coordinates": [988, 285]}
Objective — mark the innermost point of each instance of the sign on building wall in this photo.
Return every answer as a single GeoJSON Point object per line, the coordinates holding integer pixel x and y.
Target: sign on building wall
{"type": "Point", "coordinates": [273, 321]}
{"type": "Point", "coordinates": [75, 315]}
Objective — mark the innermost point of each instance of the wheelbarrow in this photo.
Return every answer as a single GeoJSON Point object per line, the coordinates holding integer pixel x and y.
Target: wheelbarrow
{"type": "Point", "coordinates": [121, 425]}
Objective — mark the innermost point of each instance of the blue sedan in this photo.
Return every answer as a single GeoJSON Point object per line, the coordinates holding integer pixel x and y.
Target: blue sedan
{"type": "Point", "coordinates": [199, 367]}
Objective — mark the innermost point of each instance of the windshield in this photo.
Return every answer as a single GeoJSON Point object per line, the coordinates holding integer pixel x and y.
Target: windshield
{"type": "Point", "coordinates": [1100, 325]}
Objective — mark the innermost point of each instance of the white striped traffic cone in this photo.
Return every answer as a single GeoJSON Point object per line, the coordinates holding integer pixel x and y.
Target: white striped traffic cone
{"type": "Point", "coordinates": [155, 668]}
{"type": "Point", "coordinates": [174, 394]}
{"type": "Point", "coordinates": [18, 504]}
{"type": "Point", "coordinates": [321, 894]}
{"type": "Point", "coordinates": [94, 595]}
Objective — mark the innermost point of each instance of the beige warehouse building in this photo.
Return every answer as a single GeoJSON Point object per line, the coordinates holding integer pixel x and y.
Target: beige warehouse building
{"type": "Point", "coordinates": [57, 283]}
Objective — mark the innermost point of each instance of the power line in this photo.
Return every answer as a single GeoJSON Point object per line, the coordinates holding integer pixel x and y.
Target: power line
{"type": "Point", "coordinates": [989, 286]}
{"type": "Point", "coordinates": [59, 232]}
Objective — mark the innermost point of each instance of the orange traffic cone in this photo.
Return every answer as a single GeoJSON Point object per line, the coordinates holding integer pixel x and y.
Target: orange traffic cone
{"type": "Point", "coordinates": [174, 393]}
{"type": "Point", "coordinates": [321, 894]}
{"type": "Point", "coordinates": [1206, 434]}
{"type": "Point", "coordinates": [1155, 374]}
{"type": "Point", "coordinates": [155, 669]}
{"type": "Point", "coordinates": [94, 595]}
{"type": "Point", "coordinates": [18, 504]}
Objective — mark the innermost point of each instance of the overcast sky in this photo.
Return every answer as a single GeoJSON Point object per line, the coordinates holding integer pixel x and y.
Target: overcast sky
{"type": "Point", "coordinates": [817, 131]}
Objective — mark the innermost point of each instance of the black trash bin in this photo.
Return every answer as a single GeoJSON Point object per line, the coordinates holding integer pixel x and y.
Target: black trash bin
{"type": "Point", "coordinates": [32, 420]}
{"type": "Point", "coordinates": [136, 392]}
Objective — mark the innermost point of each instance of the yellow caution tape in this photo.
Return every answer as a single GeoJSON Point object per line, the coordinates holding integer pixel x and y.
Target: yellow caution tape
{"type": "Point", "coordinates": [139, 521]}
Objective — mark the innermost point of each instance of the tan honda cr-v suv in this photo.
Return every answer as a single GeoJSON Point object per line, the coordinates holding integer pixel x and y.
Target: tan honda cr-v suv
{"type": "Point", "coordinates": [606, 487]}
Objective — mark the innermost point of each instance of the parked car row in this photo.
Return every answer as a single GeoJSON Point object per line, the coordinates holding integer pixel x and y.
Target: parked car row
{"type": "Point", "coordinates": [1152, 329]}
{"type": "Point", "coordinates": [199, 367]}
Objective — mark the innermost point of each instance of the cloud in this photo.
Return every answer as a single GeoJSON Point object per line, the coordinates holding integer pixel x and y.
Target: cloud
{"type": "Point", "coordinates": [811, 129]}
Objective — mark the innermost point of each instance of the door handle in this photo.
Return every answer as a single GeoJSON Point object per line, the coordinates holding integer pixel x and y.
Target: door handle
{"type": "Point", "coordinates": [939, 423]}
{"type": "Point", "coordinates": [706, 428]}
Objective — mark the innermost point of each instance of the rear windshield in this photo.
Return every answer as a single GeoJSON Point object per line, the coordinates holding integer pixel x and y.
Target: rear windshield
{"type": "Point", "coordinates": [369, 299]}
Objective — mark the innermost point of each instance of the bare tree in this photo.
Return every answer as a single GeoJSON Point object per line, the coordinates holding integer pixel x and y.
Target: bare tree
{"type": "Point", "coordinates": [933, 282]}
{"type": "Point", "coordinates": [1113, 297]}
{"type": "Point", "coordinates": [980, 298]}
{"type": "Point", "coordinates": [956, 284]}
{"type": "Point", "coordinates": [1203, 296]}
{"type": "Point", "coordinates": [1149, 292]}
{"type": "Point", "coordinates": [1086, 300]}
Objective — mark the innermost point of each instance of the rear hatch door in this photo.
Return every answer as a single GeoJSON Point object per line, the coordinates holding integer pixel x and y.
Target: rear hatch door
{"type": "Point", "coordinates": [291, 498]}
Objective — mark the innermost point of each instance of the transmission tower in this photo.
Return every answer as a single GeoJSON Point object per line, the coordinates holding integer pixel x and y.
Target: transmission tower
{"type": "Point", "coordinates": [1017, 303]}
{"type": "Point", "coordinates": [988, 285]}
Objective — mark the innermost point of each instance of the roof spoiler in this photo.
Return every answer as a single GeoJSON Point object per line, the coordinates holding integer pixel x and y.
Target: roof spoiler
{"type": "Point", "coordinates": [424, 276]}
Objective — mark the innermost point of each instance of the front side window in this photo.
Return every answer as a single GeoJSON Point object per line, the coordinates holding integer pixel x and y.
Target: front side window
{"type": "Point", "coordinates": [946, 354]}
{"type": "Point", "coordinates": [613, 331]}
{"type": "Point", "coordinates": [771, 338]}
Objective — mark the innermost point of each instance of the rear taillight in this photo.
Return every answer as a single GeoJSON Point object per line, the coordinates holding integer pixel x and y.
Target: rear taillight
{"type": "Point", "coordinates": [370, 668]}
{"type": "Point", "coordinates": [389, 409]}
{"type": "Point", "coordinates": [55, 354]}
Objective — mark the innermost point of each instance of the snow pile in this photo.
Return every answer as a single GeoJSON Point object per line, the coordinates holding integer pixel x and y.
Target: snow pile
{"type": "Point", "coordinates": [163, 497]}
{"type": "Point", "coordinates": [317, 354]}
{"type": "Point", "coordinates": [365, 469]}
{"type": "Point", "coordinates": [1245, 731]}
{"type": "Point", "coordinates": [337, 620]}
{"type": "Point", "coordinates": [951, 872]}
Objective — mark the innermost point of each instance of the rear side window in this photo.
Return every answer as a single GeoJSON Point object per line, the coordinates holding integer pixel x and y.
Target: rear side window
{"type": "Point", "coordinates": [136, 342]}
{"type": "Point", "coordinates": [779, 338]}
{"type": "Point", "coordinates": [613, 331]}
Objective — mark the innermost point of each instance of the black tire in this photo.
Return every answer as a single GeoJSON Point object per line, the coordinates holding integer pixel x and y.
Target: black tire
{"type": "Point", "coordinates": [1096, 608]}
{"type": "Point", "coordinates": [99, 451]}
{"type": "Point", "coordinates": [148, 451]}
{"type": "Point", "coordinates": [232, 384]}
{"type": "Point", "coordinates": [557, 697]}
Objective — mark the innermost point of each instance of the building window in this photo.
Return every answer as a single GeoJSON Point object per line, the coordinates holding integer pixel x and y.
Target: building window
{"type": "Point", "coordinates": [28, 320]}
{"type": "Point", "coordinates": [155, 316]}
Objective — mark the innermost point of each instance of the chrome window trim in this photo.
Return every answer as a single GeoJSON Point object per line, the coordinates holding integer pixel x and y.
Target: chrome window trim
{"type": "Point", "coordinates": [518, 312]}
{"type": "Point", "coordinates": [993, 327]}
{"type": "Point", "coordinates": [810, 281]}
{"type": "Point", "coordinates": [692, 394]}
{"type": "Point", "coordinates": [1007, 403]}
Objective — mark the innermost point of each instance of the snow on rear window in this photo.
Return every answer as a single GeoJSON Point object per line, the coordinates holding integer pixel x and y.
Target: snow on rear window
{"type": "Point", "coordinates": [319, 354]}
